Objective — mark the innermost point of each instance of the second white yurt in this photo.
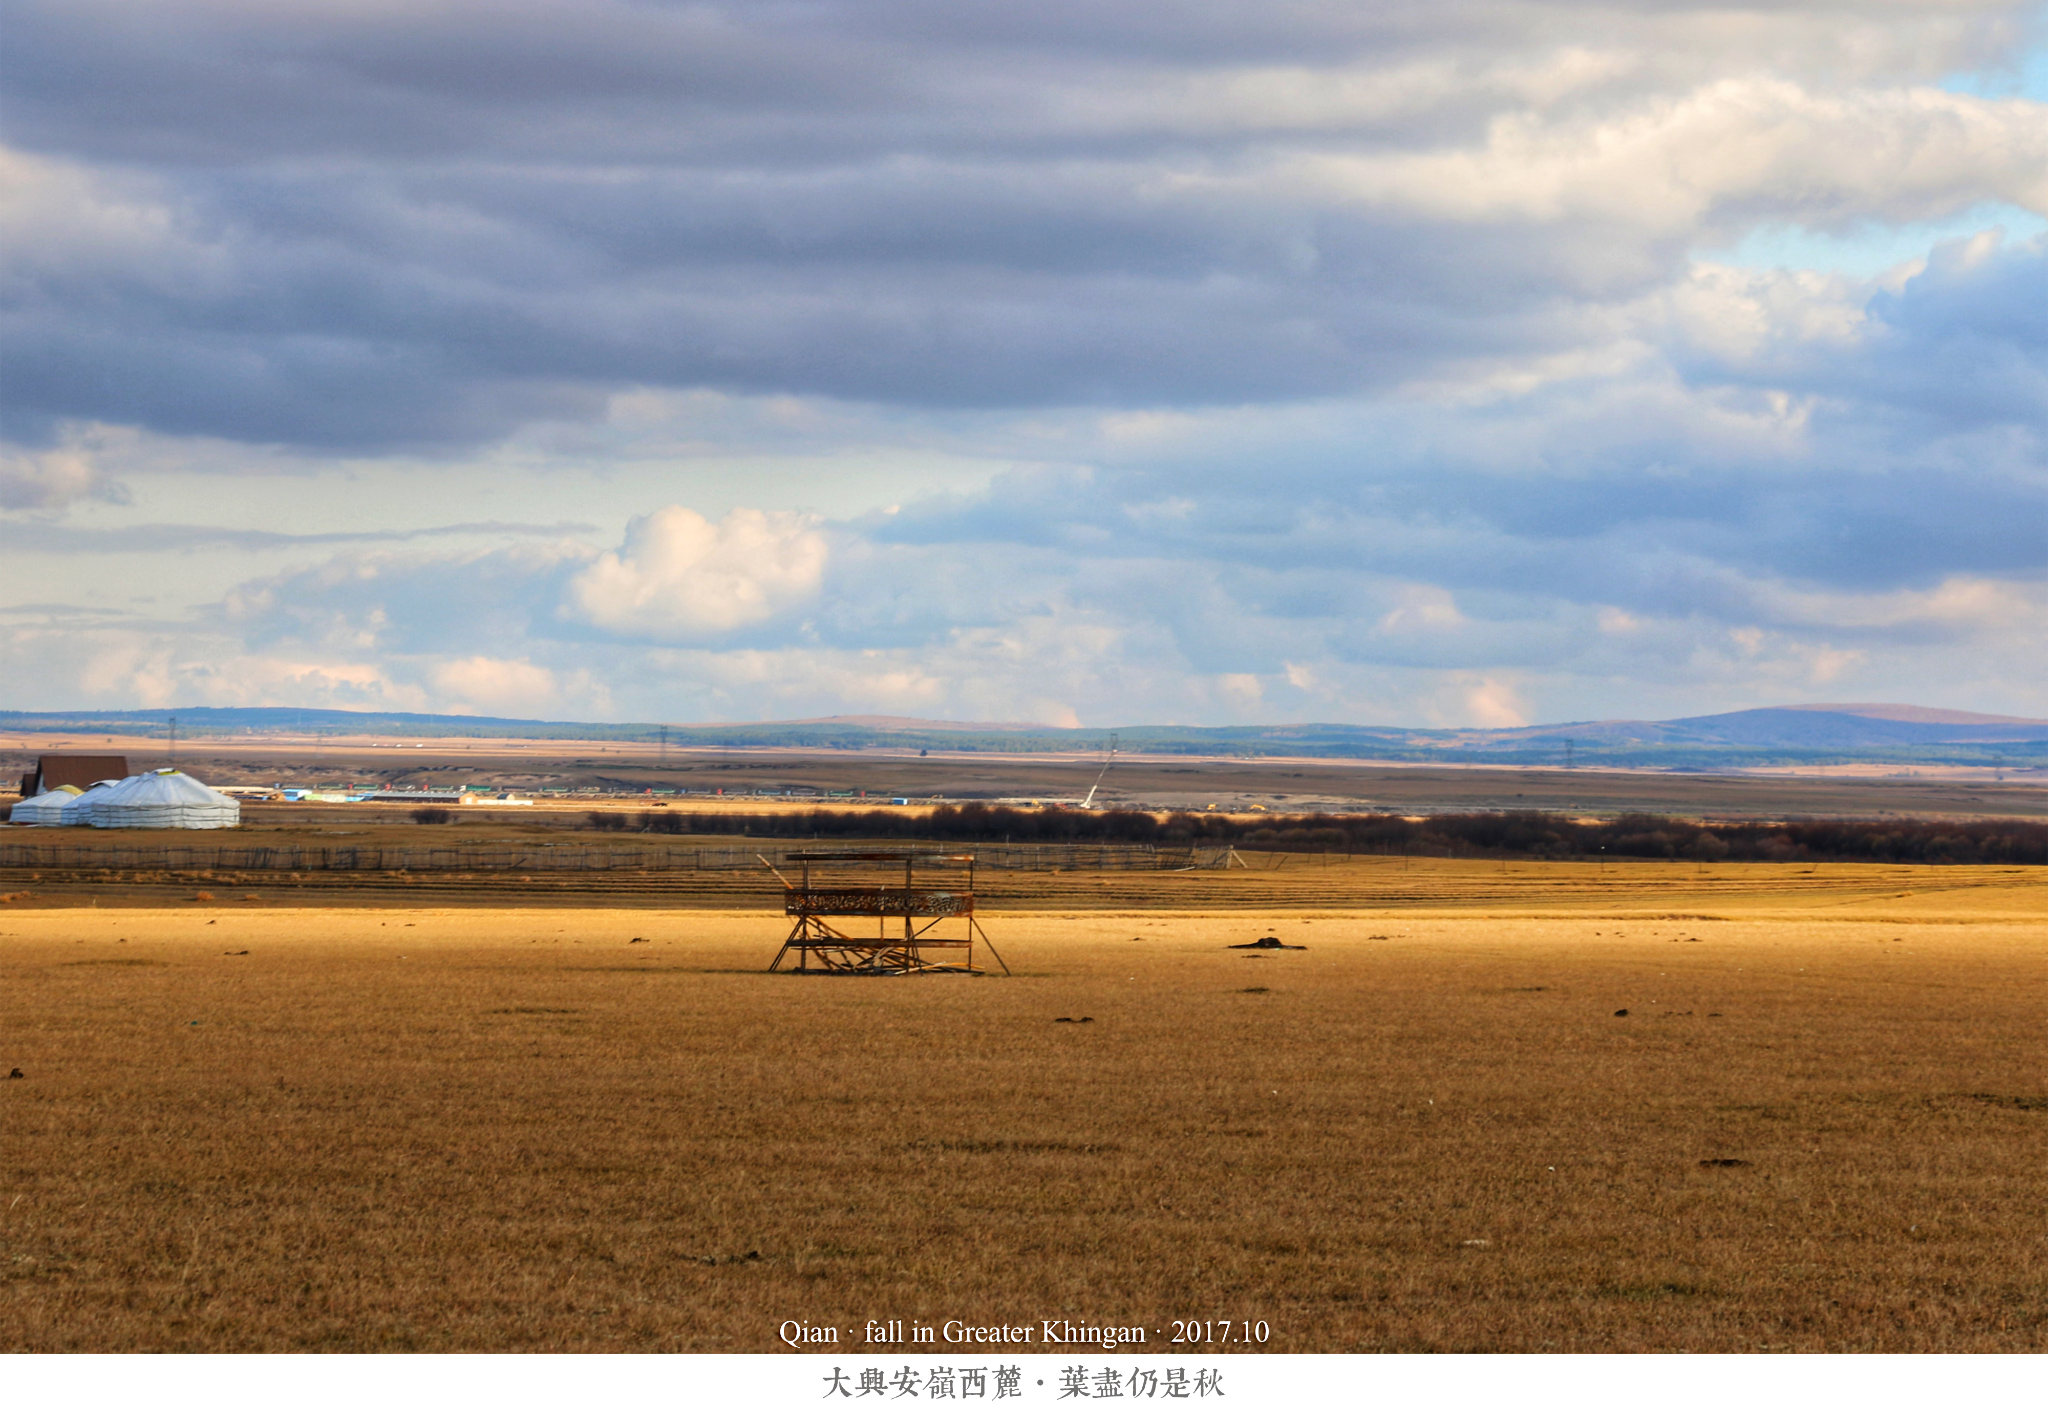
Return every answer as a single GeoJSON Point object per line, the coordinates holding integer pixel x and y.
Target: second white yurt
{"type": "Point", "coordinates": [164, 799]}
{"type": "Point", "coordinates": [33, 810]}
{"type": "Point", "coordinates": [79, 811]}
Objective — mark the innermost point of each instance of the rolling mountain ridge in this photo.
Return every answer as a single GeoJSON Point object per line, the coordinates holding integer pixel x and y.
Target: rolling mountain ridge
{"type": "Point", "coordinates": [1764, 736]}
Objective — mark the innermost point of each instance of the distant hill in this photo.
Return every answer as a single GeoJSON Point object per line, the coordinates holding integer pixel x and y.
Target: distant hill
{"type": "Point", "coordinates": [1798, 727]}
{"type": "Point", "coordinates": [1846, 728]}
{"type": "Point", "coordinates": [1893, 711]}
{"type": "Point", "coordinates": [889, 723]}
{"type": "Point", "coordinates": [1771, 735]}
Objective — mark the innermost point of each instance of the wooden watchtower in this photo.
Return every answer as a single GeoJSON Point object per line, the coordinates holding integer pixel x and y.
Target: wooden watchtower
{"type": "Point", "coordinates": [882, 929]}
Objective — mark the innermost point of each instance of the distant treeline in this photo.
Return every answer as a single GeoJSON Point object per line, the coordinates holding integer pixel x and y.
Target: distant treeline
{"type": "Point", "coordinates": [1518, 834]}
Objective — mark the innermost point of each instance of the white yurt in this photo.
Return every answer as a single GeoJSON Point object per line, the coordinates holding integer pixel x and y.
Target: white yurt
{"type": "Point", "coordinates": [33, 810]}
{"type": "Point", "coordinates": [163, 799]}
{"type": "Point", "coordinates": [79, 811]}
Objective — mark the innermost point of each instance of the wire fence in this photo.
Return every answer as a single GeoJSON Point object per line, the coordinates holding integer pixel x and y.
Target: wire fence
{"type": "Point", "coordinates": [568, 858]}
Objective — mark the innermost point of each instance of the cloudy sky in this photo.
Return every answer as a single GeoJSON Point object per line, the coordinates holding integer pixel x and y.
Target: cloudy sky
{"type": "Point", "coordinates": [1469, 362]}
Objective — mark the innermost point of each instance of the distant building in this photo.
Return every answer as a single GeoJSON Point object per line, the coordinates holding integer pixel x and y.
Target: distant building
{"type": "Point", "coordinates": [80, 770]}
{"type": "Point", "coordinates": [443, 797]}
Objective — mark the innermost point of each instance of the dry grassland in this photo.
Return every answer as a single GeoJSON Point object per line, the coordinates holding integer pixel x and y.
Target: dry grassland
{"type": "Point", "coordinates": [443, 1128]}
{"type": "Point", "coordinates": [1274, 883]}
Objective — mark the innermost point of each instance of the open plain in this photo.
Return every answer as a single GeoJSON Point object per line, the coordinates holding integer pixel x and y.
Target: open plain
{"type": "Point", "coordinates": [406, 1125]}
{"type": "Point", "coordinates": [701, 778]}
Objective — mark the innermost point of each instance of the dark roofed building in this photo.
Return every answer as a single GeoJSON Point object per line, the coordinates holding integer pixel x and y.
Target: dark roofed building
{"type": "Point", "coordinates": [80, 770]}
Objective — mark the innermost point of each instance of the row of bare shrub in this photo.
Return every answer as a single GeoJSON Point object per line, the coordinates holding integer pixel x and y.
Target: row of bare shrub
{"type": "Point", "coordinates": [1518, 834]}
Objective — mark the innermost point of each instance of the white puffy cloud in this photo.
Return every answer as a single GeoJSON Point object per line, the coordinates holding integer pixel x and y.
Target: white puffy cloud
{"type": "Point", "coordinates": [60, 475]}
{"type": "Point", "coordinates": [1733, 149]}
{"type": "Point", "coordinates": [679, 576]}
{"type": "Point", "coordinates": [156, 666]}
{"type": "Point", "coordinates": [495, 686]}
{"type": "Point", "coordinates": [46, 478]}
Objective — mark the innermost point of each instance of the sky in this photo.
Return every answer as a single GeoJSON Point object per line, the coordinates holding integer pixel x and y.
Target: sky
{"type": "Point", "coordinates": [1470, 363]}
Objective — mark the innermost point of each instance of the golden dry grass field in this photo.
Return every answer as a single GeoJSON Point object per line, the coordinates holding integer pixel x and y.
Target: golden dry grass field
{"type": "Point", "coordinates": [245, 1126]}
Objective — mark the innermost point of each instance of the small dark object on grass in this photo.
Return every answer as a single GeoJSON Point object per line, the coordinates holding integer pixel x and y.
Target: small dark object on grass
{"type": "Point", "coordinates": [14, 1075]}
{"type": "Point", "coordinates": [752, 1256]}
{"type": "Point", "coordinates": [1274, 943]}
{"type": "Point", "coordinates": [639, 940]}
{"type": "Point", "coordinates": [1723, 1163]}
{"type": "Point", "coordinates": [1255, 989]}
{"type": "Point", "coordinates": [238, 953]}
{"type": "Point", "coordinates": [1076, 1020]}
{"type": "Point", "coordinates": [1621, 1012]}
{"type": "Point", "coordinates": [431, 815]}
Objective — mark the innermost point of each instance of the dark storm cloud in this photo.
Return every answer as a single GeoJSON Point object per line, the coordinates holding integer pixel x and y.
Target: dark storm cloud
{"type": "Point", "coordinates": [423, 227]}
{"type": "Point", "coordinates": [1622, 492]}
{"type": "Point", "coordinates": [368, 312]}
{"type": "Point", "coordinates": [227, 83]}
{"type": "Point", "coordinates": [211, 83]}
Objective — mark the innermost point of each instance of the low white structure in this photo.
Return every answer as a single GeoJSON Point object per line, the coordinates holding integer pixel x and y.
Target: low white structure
{"type": "Point", "coordinates": [42, 809]}
{"type": "Point", "coordinates": [79, 811]}
{"type": "Point", "coordinates": [163, 799]}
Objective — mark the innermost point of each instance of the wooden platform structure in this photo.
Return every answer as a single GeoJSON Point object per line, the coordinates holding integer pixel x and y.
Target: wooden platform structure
{"type": "Point", "coordinates": [937, 929]}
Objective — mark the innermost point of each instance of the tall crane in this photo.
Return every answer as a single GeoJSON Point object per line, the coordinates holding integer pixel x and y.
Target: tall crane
{"type": "Point", "coordinates": [1089, 803]}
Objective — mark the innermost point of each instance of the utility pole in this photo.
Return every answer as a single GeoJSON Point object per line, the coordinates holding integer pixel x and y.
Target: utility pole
{"type": "Point", "coordinates": [174, 741]}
